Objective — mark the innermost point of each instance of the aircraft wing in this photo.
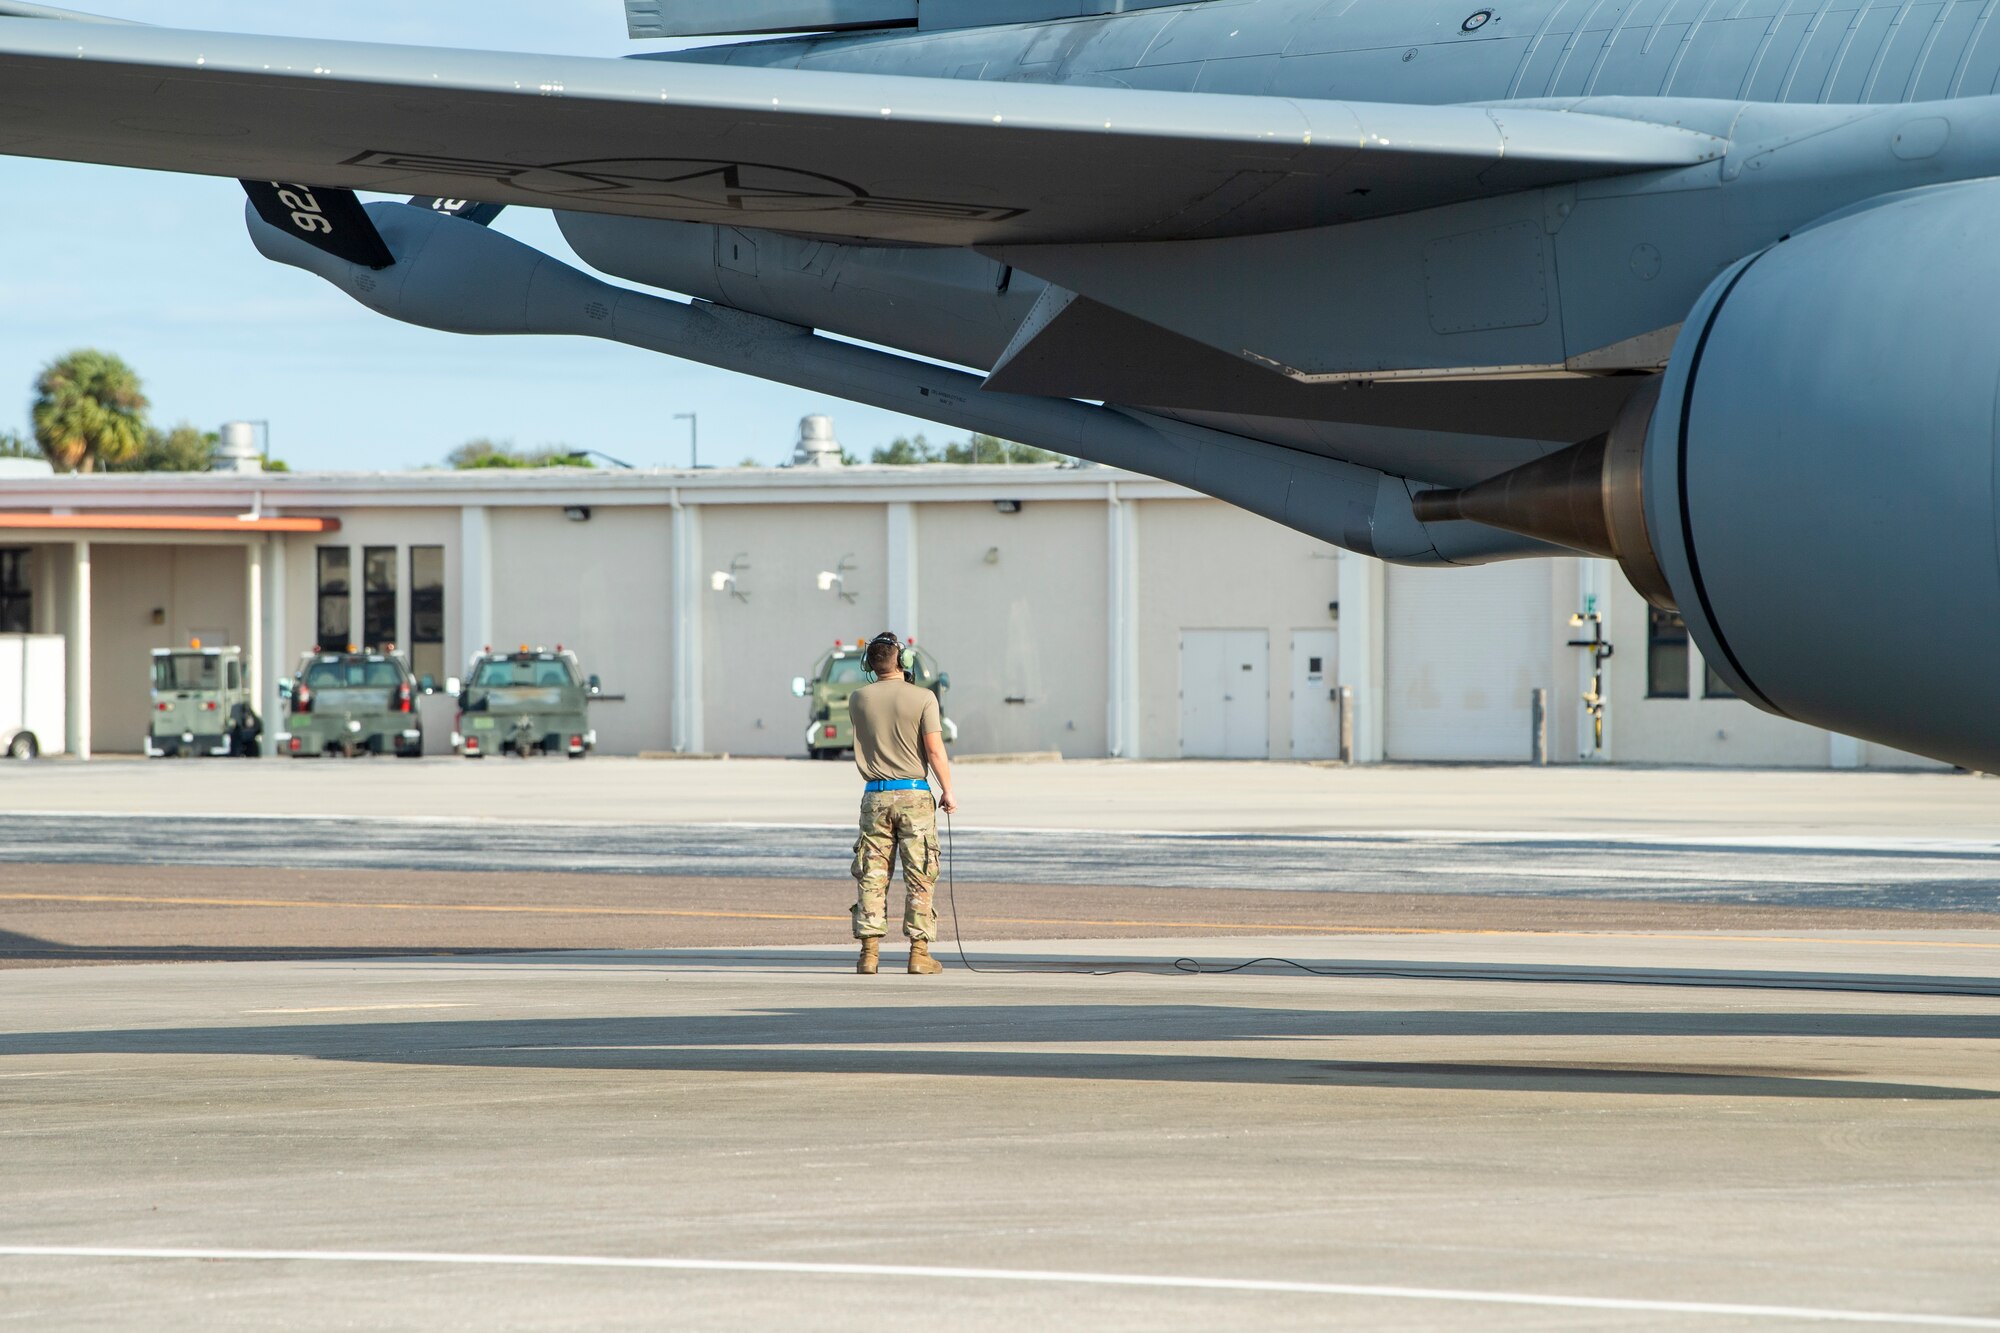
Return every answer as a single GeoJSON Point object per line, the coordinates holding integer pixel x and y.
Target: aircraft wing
{"type": "Point", "coordinates": [887, 158]}
{"type": "Point", "coordinates": [20, 10]}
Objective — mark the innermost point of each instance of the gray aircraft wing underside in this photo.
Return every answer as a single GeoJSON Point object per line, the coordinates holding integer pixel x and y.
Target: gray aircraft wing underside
{"type": "Point", "coordinates": [15, 9]}
{"type": "Point", "coordinates": [881, 158]}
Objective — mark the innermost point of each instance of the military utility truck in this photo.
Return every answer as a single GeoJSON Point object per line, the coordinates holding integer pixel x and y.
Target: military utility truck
{"type": "Point", "coordinates": [529, 702]}
{"type": "Point", "coordinates": [840, 673]}
{"type": "Point", "coordinates": [202, 705]}
{"type": "Point", "coordinates": [352, 703]}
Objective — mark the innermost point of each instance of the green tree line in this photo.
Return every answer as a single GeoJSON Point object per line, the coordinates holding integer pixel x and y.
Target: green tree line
{"type": "Point", "coordinates": [90, 415]}
{"type": "Point", "coordinates": [911, 450]}
{"type": "Point", "coordinates": [474, 455]}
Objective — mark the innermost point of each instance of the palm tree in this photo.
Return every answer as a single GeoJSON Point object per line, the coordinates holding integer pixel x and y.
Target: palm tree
{"type": "Point", "coordinates": [89, 412]}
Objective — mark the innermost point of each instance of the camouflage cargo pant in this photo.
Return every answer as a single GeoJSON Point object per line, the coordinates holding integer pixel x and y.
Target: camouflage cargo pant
{"type": "Point", "coordinates": [896, 823]}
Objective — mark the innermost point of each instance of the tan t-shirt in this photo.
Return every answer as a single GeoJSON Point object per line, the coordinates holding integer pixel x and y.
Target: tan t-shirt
{"type": "Point", "coordinates": [890, 717]}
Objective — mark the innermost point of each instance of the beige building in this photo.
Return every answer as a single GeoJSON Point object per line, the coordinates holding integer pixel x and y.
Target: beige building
{"type": "Point", "coordinates": [1078, 609]}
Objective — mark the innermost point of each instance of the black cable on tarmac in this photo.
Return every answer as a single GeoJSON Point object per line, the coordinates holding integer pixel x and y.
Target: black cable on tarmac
{"type": "Point", "coordinates": [1195, 967]}
{"type": "Point", "coordinates": [1190, 966]}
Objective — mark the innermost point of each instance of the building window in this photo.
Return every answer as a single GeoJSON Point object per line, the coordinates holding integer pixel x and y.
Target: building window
{"type": "Point", "coordinates": [427, 612]}
{"type": "Point", "coordinates": [17, 605]}
{"type": "Point", "coordinates": [1666, 655]}
{"type": "Point", "coordinates": [378, 596]}
{"type": "Point", "coordinates": [336, 602]}
{"type": "Point", "coordinates": [1714, 686]}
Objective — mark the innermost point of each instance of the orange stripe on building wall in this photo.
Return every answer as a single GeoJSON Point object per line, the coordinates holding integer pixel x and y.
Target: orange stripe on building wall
{"type": "Point", "coordinates": [162, 523]}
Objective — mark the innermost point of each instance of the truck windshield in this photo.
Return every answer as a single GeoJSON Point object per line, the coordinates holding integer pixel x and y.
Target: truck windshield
{"type": "Point", "coordinates": [501, 674]}
{"type": "Point", "coordinates": [847, 671]}
{"type": "Point", "coordinates": [353, 675]}
{"type": "Point", "coordinates": [187, 671]}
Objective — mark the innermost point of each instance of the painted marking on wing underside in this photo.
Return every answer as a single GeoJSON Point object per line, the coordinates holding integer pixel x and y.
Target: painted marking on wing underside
{"type": "Point", "coordinates": [689, 183]}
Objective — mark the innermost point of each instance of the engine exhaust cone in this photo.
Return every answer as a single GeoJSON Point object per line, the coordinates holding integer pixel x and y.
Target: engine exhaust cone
{"type": "Point", "coordinates": [1588, 497]}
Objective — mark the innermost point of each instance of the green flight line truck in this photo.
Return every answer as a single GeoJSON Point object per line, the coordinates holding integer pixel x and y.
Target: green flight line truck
{"type": "Point", "coordinates": [529, 702]}
{"type": "Point", "coordinates": [841, 672]}
{"type": "Point", "coordinates": [202, 705]}
{"type": "Point", "coordinates": [352, 703]}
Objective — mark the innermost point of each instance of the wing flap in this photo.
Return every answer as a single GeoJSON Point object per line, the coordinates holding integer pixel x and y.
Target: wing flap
{"type": "Point", "coordinates": [924, 161]}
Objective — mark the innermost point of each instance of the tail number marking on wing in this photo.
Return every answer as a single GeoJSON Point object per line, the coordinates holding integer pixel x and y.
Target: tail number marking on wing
{"type": "Point", "coordinates": [307, 215]}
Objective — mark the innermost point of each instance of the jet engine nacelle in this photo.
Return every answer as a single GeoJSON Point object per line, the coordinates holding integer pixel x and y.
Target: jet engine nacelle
{"type": "Point", "coordinates": [1819, 478]}
{"type": "Point", "coordinates": [1816, 488]}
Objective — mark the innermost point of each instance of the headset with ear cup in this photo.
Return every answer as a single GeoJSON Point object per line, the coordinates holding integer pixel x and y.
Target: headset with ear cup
{"type": "Point", "coordinates": [905, 658]}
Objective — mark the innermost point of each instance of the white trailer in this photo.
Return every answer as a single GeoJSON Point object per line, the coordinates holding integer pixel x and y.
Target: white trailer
{"type": "Point", "coordinates": [34, 694]}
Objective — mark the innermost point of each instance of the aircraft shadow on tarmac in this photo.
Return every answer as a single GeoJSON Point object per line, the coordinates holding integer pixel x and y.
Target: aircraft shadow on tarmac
{"type": "Point", "coordinates": [988, 1041]}
{"type": "Point", "coordinates": [1030, 964]}
{"type": "Point", "coordinates": [15, 947]}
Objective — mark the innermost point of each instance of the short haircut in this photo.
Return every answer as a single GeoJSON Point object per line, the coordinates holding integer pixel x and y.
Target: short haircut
{"type": "Point", "coordinates": [885, 654]}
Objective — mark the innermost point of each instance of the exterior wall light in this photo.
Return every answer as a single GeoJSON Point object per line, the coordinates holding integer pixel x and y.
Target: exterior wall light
{"type": "Point", "coordinates": [577, 513]}
{"type": "Point", "coordinates": [727, 580]}
{"type": "Point", "coordinates": [835, 580]}
{"type": "Point", "coordinates": [1008, 506]}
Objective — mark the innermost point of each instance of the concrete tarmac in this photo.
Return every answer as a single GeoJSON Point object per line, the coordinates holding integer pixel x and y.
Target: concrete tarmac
{"type": "Point", "coordinates": [1927, 875]}
{"type": "Point", "coordinates": [1721, 1133]}
{"type": "Point", "coordinates": [1194, 797]}
{"type": "Point", "coordinates": [547, 1046]}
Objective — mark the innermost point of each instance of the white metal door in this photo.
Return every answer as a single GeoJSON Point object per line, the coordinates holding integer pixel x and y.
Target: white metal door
{"type": "Point", "coordinates": [1315, 712]}
{"type": "Point", "coordinates": [1225, 694]}
{"type": "Point", "coordinates": [1466, 649]}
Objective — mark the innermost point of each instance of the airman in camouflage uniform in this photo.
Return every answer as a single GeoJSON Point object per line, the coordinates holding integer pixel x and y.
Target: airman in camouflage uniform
{"type": "Point", "coordinates": [897, 735]}
{"type": "Point", "coordinates": [896, 823]}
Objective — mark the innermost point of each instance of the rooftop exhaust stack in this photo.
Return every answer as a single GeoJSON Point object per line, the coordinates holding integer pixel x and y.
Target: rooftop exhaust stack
{"type": "Point", "coordinates": [238, 450]}
{"type": "Point", "coordinates": [816, 447]}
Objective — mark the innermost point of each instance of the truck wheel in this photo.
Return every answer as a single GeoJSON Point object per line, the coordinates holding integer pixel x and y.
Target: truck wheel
{"type": "Point", "coordinates": [23, 746]}
{"type": "Point", "coordinates": [578, 754]}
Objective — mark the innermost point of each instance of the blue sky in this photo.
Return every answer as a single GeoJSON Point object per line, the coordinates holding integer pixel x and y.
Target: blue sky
{"type": "Point", "coordinates": [157, 269]}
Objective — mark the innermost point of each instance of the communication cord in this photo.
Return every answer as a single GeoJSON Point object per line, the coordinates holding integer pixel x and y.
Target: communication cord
{"type": "Point", "coordinates": [1195, 967]}
{"type": "Point", "coordinates": [1191, 966]}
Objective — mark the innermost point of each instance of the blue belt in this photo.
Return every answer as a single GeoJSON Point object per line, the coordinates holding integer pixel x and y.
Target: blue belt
{"type": "Point", "coordinates": [899, 784]}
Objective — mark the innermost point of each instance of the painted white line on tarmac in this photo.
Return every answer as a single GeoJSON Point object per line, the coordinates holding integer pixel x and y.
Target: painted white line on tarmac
{"type": "Point", "coordinates": [364, 1008]}
{"type": "Point", "coordinates": [1016, 1275]}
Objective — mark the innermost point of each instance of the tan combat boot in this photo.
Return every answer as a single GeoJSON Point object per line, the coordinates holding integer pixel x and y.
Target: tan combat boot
{"type": "Point", "coordinates": [921, 962]}
{"type": "Point", "coordinates": [871, 957]}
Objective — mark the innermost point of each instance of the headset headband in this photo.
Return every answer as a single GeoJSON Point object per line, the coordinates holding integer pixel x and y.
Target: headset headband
{"type": "Point", "coordinates": [888, 637]}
